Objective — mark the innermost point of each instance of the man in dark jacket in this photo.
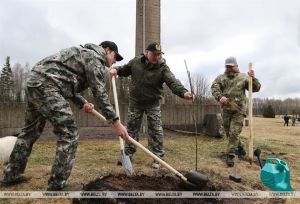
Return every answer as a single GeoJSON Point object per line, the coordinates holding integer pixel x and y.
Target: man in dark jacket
{"type": "Point", "coordinates": [286, 119]}
{"type": "Point", "coordinates": [148, 72]}
{"type": "Point", "coordinates": [52, 83]}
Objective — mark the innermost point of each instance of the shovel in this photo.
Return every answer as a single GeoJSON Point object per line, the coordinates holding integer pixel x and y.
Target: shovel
{"type": "Point", "coordinates": [193, 180]}
{"type": "Point", "coordinates": [125, 160]}
{"type": "Point", "coordinates": [250, 118]}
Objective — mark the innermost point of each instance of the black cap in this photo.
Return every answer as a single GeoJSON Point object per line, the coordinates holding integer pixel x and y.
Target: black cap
{"type": "Point", "coordinates": [113, 47]}
{"type": "Point", "coordinates": [154, 47]}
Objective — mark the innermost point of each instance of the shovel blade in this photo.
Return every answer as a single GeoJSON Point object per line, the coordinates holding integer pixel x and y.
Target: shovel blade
{"type": "Point", "coordinates": [235, 178]}
{"type": "Point", "coordinates": [186, 185]}
{"type": "Point", "coordinates": [126, 163]}
{"type": "Point", "coordinates": [197, 178]}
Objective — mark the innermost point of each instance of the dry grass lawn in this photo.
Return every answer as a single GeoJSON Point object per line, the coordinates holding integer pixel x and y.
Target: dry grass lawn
{"type": "Point", "coordinates": [96, 158]}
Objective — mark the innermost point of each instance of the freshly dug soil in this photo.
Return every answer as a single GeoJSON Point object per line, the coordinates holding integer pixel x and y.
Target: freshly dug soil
{"type": "Point", "coordinates": [141, 183]}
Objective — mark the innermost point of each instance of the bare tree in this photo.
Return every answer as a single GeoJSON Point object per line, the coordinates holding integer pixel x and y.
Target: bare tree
{"type": "Point", "coordinates": [168, 96]}
{"type": "Point", "coordinates": [281, 107]}
{"type": "Point", "coordinates": [18, 77]}
{"type": "Point", "coordinates": [201, 88]}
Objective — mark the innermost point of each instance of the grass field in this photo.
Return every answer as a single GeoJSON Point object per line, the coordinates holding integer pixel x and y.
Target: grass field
{"type": "Point", "coordinates": [96, 158]}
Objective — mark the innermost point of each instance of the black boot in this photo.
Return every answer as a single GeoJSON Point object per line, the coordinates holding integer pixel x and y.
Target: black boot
{"type": "Point", "coordinates": [241, 152]}
{"type": "Point", "coordinates": [18, 180]}
{"type": "Point", "coordinates": [230, 160]}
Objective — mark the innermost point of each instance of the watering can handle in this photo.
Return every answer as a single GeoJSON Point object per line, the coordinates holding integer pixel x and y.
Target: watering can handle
{"type": "Point", "coordinates": [279, 164]}
{"type": "Point", "coordinates": [268, 160]}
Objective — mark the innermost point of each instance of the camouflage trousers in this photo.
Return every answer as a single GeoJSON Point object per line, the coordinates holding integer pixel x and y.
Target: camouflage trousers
{"type": "Point", "coordinates": [155, 130]}
{"type": "Point", "coordinates": [233, 124]}
{"type": "Point", "coordinates": [45, 104]}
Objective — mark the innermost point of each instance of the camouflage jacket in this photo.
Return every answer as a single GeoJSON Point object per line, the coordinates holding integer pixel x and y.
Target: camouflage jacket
{"type": "Point", "coordinates": [147, 80]}
{"type": "Point", "coordinates": [73, 70]}
{"type": "Point", "coordinates": [233, 86]}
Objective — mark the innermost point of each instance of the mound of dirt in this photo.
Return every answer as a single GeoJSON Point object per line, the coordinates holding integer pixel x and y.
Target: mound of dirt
{"type": "Point", "coordinates": [157, 182]}
{"type": "Point", "coordinates": [140, 183]}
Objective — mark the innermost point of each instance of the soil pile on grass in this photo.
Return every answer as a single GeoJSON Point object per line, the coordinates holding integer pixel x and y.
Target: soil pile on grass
{"type": "Point", "coordinates": [158, 182]}
{"type": "Point", "coordinates": [140, 183]}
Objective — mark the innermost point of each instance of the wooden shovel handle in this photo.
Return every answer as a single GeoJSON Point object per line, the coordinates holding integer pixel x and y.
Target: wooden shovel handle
{"type": "Point", "coordinates": [162, 162]}
{"type": "Point", "coordinates": [133, 141]}
{"type": "Point", "coordinates": [113, 81]}
{"type": "Point", "coordinates": [250, 117]}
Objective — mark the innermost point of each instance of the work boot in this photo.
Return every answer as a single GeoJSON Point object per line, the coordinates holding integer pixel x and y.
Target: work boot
{"type": "Point", "coordinates": [155, 165]}
{"type": "Point", "coordinates": [241, 152]}
{"type": "Point", "coordinates": [54, 188]}
{"type": "Point", "coordinates": [18, 180]}
{"type": "Point", "coordinates": [230, 160]}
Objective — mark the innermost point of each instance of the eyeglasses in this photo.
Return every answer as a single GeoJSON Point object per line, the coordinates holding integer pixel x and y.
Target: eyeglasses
{"type": "Point", "coordinates": [156, 54]}
{"type": "Point", "coordinates": [229, 66]}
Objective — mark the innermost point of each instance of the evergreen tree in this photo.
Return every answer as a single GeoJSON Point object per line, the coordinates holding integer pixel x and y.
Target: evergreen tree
{"type": "Point", "coordinates": [269, 112]}
{"type": "Point", "coordinates": [6, 82]}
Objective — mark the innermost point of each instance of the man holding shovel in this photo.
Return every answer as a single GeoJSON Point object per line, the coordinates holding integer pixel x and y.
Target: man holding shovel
{"type": "Point", "coordinates": [229, 89]}
{"type": "Point", "coordinates": [52, 83]}
{"type": "Point", "coordinates": [148, 72]}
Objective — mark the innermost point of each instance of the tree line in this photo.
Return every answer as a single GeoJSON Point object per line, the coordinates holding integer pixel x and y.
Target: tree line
{"type": "Point", "coordinates": [13, 79]}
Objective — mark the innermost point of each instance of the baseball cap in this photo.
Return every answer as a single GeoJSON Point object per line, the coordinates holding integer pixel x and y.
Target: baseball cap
{"type": "Point", "coordinates": [154, 47]}
{"type": "Point", "coordinates": [230, 61]}
{"type": "Point", "coordinates": [113, 47]}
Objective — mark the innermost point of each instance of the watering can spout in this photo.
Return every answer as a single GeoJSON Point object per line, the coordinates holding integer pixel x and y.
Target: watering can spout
{"type": "Point", "coordinates": [276, 175]}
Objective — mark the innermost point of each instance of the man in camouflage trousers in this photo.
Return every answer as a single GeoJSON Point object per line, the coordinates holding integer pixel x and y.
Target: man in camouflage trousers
{"type": "Point", "coordinates": [148, 73]}
{"type": "Point", "coordinates": [52, 83]}
{"type": "Point", "coordinates": [229, 89]}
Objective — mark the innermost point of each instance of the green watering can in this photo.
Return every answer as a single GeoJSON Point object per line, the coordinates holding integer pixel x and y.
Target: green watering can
{"type": "Point", "coordinates": [275, 174]}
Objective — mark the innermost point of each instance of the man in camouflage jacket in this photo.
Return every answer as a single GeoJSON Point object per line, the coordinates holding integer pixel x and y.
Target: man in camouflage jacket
{"type": "Point", "coordinates": [52, 83]}
{"type": "Point", "coordinates": [229, 89]}
{"type": "Point", "coordinates": [148, 73]}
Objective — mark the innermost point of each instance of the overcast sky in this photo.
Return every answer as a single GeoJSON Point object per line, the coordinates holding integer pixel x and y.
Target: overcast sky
{"type": "Point", "coordinates": [203, 32]}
